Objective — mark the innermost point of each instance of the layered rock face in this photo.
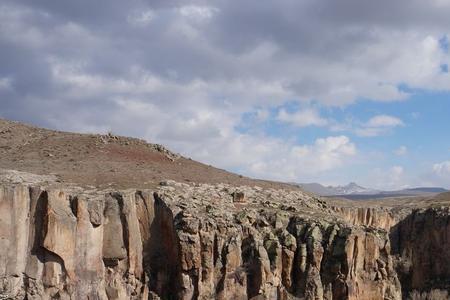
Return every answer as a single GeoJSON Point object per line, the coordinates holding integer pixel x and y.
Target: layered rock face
{"type": "Point", "coordinates": [195, 241]}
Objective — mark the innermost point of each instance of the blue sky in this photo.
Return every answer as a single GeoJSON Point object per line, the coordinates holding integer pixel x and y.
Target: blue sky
{"type": "Point", "coordinates": [305, 91]}
{"type": "Point", "coordinates": [411, 146]}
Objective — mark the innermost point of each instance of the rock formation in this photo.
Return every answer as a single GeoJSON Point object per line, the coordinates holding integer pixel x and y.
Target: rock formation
{"type": "Point", "coordinates": [198, 241]}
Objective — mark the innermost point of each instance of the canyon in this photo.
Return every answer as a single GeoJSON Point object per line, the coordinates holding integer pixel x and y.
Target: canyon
{"type": "Point", "coordinates": [67, 232]}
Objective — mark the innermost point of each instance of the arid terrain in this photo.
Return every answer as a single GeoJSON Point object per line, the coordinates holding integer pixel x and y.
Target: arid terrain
{"type": "Point", "coordinates": [104, 160]}
{"type": "Point", "coordinates": [107, 217]}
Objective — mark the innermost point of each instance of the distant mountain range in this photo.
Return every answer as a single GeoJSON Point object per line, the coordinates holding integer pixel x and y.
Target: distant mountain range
{"type": "Point", "coordinates": [355, 191]}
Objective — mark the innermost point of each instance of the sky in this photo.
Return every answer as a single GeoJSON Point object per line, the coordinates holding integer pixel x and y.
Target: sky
{"type": "Point", "coordinates": [290, 90]}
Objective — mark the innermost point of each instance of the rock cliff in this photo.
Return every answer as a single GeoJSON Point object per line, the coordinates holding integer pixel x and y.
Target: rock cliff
{"type": "Point", "coordinates": [98, 224]}
{"type": "Point", "coordinates": [199, 241]}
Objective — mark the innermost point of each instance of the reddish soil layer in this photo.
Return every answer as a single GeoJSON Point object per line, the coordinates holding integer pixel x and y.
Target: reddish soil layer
{"type": "Point", "coordinates": [104, 160]}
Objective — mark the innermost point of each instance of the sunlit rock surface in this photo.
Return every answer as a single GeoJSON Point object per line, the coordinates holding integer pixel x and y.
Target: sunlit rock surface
{"type": "Point", "coordinates": [199, 241]}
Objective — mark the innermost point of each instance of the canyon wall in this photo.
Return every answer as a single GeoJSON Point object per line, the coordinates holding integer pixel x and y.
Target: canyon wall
{"type": "Point", "coordinates": [213, 242]}
{"type": "Point", "coordinates": [421, 251]}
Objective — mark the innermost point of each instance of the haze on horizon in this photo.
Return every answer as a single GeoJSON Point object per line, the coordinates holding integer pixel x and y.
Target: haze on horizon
{"type": "Point", "coordinates": [297, 91]}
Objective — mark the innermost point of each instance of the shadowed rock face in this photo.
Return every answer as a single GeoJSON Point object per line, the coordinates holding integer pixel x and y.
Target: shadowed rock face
{"type": "Point", "coordinates": [197, 242]}
{"type": "Point", "coordinates": [422, 253]}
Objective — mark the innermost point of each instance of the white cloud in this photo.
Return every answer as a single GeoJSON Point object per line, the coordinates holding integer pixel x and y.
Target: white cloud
{"type": "Point", "coordinates": [331, 152]}
{"type": "Point", "coordinates": [393, 178]}
{"type": "Point", "coordinates": [378, 125]}
{"type": "Point", "coordinates": [302, 118]}
{"type": "Point", "coordinates": [363, 59]}
{"type": "Point", "coordinates": [262, 115]}
{"type": "Point", "coordinates": [384, 121]}
{"type": "Point", "coordinates": [369, 132]}
{"type": "Point", "coordinates": [299, 162]}
{"type": "Point", "coordinates": [438, 175]}
{"type": "Point", "coordinates": [396, 177]}
{"type": "Point", "coordinates": [5, 83]}
{"type": "Point", "coordinates": [442, 169]}
{"type": "Point", "coordinates": [400, 151]}
{"type": "Point", "coordinates": [396, 172]}
{"type": "Point", "coordinates": [198, 13]}
{"type": "Point", "coordinates": [375, 126]}
{"type": "Point", "coordinates": [141, 18]}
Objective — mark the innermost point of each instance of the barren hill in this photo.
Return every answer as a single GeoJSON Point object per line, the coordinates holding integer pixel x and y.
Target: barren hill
{"type": "Point", "coordinates": [105, 160]}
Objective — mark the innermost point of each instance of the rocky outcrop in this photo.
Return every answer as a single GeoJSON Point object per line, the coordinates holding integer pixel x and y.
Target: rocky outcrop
{"type": "Point", "coordinates": [69, 247]}
{"type": "Point", "coordinates": [211, 242]}
{"type": "Point", "coordinates": [368, 216]}
{"type": "Point", "coordinates": [420, 246]}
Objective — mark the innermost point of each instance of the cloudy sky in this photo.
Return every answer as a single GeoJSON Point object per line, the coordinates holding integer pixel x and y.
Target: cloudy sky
{"type": "Point", "coordinates": [291, 90]}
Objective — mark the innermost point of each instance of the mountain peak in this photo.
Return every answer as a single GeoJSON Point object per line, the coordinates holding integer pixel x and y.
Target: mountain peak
{"type": "Point", "coordinates": [349, 189]}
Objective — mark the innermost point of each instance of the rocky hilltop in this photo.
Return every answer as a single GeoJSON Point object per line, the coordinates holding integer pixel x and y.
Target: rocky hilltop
{"type": "Point", "coordinates": [61, 238]}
